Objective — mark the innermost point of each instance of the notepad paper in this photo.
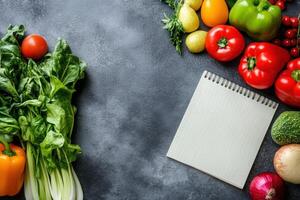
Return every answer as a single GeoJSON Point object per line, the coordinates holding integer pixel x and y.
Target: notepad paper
{"type": "Point", "coordinates": [222, 129]}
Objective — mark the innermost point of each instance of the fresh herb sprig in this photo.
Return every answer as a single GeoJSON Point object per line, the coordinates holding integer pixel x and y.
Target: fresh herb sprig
{"type": "Point", "coordinates": [173, 25]}
{"type": "Point", "coordinates": [171, 3]}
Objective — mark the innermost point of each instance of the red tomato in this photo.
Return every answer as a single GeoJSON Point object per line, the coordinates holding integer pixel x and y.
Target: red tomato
{"type": "Point", "coordinates": [286, 20]}
{"type": "Point", "coordinates": [34, 46]}
{"type": "Point", "coordinates": [277, 42]}
{"type": "Point", "coordinates": [224, 43]}
{"type": "Point", "coordinates": [293, 42]}
{"type": "Point", "coordinates": [280, 4]}
{"type": "Point", "coordinates": [290, 33]}
{"type": "Point", "coordinates": [286, 43]}
{"type": "Point", "coordinates": [294, 52]}
{"type": "Point", "coordinates": [294, 22]}
{"type": "Point", "coordinates": [273, 2]}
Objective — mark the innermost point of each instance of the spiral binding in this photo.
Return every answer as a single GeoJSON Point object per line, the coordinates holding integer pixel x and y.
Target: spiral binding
{"type": "Point", "coordinates": [239, 89]}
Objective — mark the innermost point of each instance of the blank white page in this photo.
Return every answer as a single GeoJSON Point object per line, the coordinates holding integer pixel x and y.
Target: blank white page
{"type": "Point", "coordinates": [222, 129]}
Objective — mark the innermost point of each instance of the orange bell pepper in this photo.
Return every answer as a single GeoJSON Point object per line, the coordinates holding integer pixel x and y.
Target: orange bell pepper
{"type": "Point", "coordinates": [12, 168]}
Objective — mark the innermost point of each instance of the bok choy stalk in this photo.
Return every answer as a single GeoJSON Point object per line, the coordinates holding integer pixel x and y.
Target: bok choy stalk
{"type": "Point", "coordinates": [46, 124]}
{"type": "Point", "coordinates": [36, 106]}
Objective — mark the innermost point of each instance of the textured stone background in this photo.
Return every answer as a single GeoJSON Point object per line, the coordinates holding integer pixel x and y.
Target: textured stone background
{"type": "Point", "coordinates": [131, 103]}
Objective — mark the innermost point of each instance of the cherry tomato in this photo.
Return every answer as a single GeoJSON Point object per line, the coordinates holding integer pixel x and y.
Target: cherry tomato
{"type": "Point", "coordinates": [290, 34]}
{"type": "Point", "coordinates": [277, 42]}
{"type": "Point", "coordinates": [272, 1]}
{"type": "Point", "coordinates": [293, 42]}
{"type": "Point", "coordinates": [294, 22]}
{"type": "Point", "coordinates": [286, 20]}
{"type": "Point", "coordinates": [280, 4]}
{"type": "Point", "coordinates": [286, 43]}
{"type": "Point", "coordinates": [294, 52]}
{"type": "Point", "coordinates": [34, 46]}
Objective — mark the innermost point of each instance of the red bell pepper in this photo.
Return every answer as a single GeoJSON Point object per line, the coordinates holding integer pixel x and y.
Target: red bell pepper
{"type": "Point", "coordinates": [224, 43]}
{"type": "Point", "coordinates": [261, 63]}
{"type": "Point", "coordinates": [287, 85]}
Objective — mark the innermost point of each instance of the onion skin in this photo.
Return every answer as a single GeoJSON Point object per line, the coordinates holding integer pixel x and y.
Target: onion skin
{"type": "Point", "coordinates": [287, 163]}
{"type": "Point", "coordinates": [267, 186]}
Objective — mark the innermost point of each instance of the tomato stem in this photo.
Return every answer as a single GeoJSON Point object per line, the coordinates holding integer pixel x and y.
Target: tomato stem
{"type": "Point", "coordinates": [296, 75]}
{"type": "Point", "coordinates": [7, 151]}
{"type": "Point", "coordinates": [251, 61]}
{"type": "Point", "coordinates": [222, 43]}
{"type": "Point", "coordinates": [270, 194]}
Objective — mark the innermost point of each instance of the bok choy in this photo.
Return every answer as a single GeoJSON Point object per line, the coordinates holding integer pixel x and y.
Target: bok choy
{"type": "Point", "coordinates": [36, 107]}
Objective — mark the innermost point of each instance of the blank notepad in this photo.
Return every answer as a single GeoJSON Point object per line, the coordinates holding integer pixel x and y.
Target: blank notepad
{"type": "Point", "coordinates": [222, 129]}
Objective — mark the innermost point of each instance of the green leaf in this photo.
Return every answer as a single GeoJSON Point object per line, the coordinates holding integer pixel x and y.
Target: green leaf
{"type": "Point", "coordinates": [6, 85]}
{"type": "Point", "coordinates": [56, 85]}
{"type": "Point", "coordinates": [14, 34]}
{"type": "Point", "coordinates": [72, 150]}
{"type": "Point", "coordinates": [33, 131]}
{"type": "Point", "coordinates": [56, 115]}
{"type": "Point", "coordinates": [52, 141]}
{"type": "Point", "coordinates": [63, 99]}
{"type": "Point", "coordinates": [31, 102]}
{"type": "Point", "coordinates": [64, 65]}
{"type": "Point", "coordinates": [8, 124]}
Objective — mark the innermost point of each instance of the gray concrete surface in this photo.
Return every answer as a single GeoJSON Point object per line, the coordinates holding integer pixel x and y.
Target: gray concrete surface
{"type": "Point", "coordinates": [131, 103]}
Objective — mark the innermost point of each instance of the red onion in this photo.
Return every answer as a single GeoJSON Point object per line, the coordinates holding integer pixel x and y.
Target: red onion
{"type": "Point", "coordinates": [267, 186]}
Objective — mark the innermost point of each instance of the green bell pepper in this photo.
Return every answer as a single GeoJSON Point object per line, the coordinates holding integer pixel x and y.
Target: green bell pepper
{"type": "Point", "coordinates": [258, 18]}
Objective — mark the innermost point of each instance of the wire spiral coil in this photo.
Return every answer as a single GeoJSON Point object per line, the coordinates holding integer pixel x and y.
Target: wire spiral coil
{"type": "Point", "coordinates": [239, 89]}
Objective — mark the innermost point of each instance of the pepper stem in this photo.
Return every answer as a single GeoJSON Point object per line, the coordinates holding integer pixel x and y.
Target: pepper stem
{"type": "Point", "coordinates": [262, 5]}
{"type": "Point", "coordinates": [296, 75]}
{"type": "Point", "coordinates": [256, 2]}
{"type": "Point", "coordinates": [251, 61]}
{"type": "Point", "coordinates": [7, 151]}
{"type": "Point", "coordinates": [223, 42]}
{"type": "Point", "coordinates": [270, 194]}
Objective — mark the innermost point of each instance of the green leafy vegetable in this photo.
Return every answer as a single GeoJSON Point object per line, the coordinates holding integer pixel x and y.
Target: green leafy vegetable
{"type": "Point", "coordinates": [36, 106]}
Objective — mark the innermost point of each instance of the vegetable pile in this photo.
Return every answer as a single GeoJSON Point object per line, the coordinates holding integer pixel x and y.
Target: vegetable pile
{"type": "Point", "coordinates": [36, 111]}
{"type": "Point", "coordinates": [270, 61]}
{"type": "Point", "coordinates": [261, 20]}
{"type": "Point", "coordinates": [288, 38]}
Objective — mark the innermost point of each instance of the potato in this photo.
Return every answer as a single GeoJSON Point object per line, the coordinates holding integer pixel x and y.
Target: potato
{"type": "Point", "coordinates": [195, 41]}
{"type": "Point", "coordinates": [195, 4]}
{"type": "Point", "coordinates": [287, 163]}
{"type": "Point", "coordinates": [189, 18]}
